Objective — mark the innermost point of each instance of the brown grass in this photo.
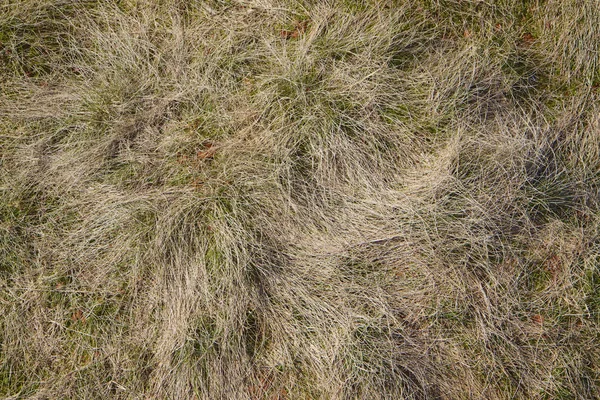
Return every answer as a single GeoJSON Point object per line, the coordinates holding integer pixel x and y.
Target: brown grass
{"type": "Point", "coordinates": [296, 200]}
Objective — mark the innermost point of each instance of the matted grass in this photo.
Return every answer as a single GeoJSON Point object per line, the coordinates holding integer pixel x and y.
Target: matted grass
{"type": "Point", "coordinates": [296, 200]}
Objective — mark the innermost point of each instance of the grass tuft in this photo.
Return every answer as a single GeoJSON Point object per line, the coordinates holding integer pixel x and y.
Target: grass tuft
{"type": "Point", "coordinates": [295, 199]}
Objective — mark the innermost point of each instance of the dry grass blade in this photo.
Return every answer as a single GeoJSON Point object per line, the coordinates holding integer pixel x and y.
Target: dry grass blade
{"type": "Point", "coordinates": [273, 199]}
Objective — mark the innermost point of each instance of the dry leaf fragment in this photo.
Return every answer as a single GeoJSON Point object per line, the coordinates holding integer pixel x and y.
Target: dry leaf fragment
{"type": "Point", "coordinates": [553, 266]}
{"type": "Point", "coordinates": [78, 317]}
{"type": "Point", "coordinates": [182, 159]}
{"type": "Point", "coordinates": [299, 29]}
{"type": "Point", "coordinates": [208, 151]}
{"type": "Point", "coordinates": [538, 319]}
{"type": "Point", "coordinates": [528, 39]}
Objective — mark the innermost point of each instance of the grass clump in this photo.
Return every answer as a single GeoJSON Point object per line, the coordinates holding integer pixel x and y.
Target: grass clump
{"type": "Point", "coordinates": [277, 199]}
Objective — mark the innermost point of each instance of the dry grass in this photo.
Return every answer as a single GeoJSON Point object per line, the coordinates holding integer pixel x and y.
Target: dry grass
{"type": "Point", "coordinates": [274, 199]}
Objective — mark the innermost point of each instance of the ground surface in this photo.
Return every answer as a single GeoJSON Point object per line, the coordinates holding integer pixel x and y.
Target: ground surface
{"type": "Point", "coordinates": [280, 199]}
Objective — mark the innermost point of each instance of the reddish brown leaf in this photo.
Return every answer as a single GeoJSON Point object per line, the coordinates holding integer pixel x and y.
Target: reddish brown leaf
{"type": "Point", "coordinates": [208, 151]}
{"type": "Point", "coordinates": [195, 124]}
{"type": "Point", "coordinates": [299, 29]}
{"type": "Point", "coordinates": [78, 317]}
{"type": "Point", "coordinates": [206, 154]}
{"type": "Point", "coordinates": [553, 266]}
{"type": "Point", "coordinates": [286, 34]}
{"type": "Point", "coordinates": [528, 39]}
{"type": "Point", "coordinates": [538, 319]}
